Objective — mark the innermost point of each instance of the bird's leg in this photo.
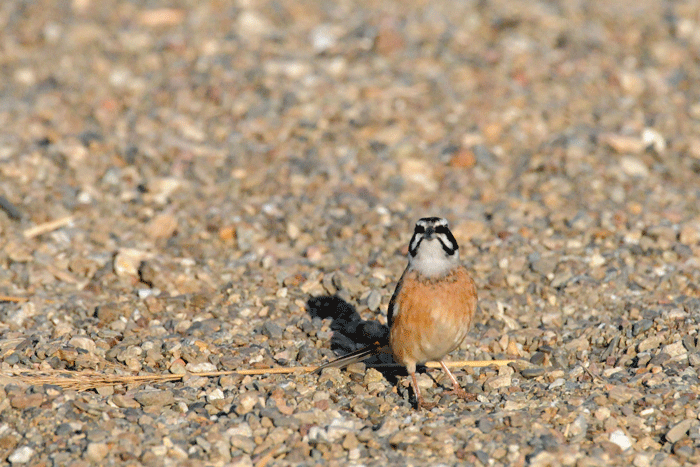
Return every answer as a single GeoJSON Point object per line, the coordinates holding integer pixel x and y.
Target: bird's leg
{"type": "Point", "coordinates": [457, 389]}
{"type": "Point", "coordinates": [419, 399]}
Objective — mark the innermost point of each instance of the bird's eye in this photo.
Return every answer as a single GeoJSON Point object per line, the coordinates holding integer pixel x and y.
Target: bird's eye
{"type": "Point", "coordinates": [441, 229]}
{"type": "Point", "coordinates": [420, 229]}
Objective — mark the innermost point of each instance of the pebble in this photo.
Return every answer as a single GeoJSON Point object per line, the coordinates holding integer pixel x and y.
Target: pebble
{"type": "Point", "coordinates": [641, 326]}
{"type": "Point", "coordinates": [633, 167]}
{"type": "Point", "coordinates": [486, 425]}
{"type": "Point", "coordinates": [497, 382]}
{"type": "Point", "coordinates": [680, 430]}
{"type": "Point", "coordinates": [26, 401]}
{"type": "Point", "coordinates": [96, 452]}
{"type": "Point", "coordinates": [272, 330]}
{"type": "Point", "coordinates": [154, 397]}
{"type": "Point", "coordinates": [533, 372]}
{"type": "Point", "coordinates": [619, 438]}
{"type": "Point", "coordinates": [374, 299]}
{"type": "Point", "coordinates": [127, 261]}
{"type": "Point", "coordinates": [246, 403]}
{"type": "Point", "coordinates": [21, 455]}
{"type": "Point", "coordinates": [201, 367]}
{"type": "Point", "coordinates": [650, 342]}
{"type": "Point", "coordinates": [162, 226]}
{"type": "Point", "coordinates": [84, 343]}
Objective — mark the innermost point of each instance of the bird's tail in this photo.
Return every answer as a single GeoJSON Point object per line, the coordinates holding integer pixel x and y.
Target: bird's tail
{"type": "Point", "coordinates": [356, 356]}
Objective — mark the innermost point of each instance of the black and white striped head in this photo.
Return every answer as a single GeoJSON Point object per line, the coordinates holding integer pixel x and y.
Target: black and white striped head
{"type": "Point", "coordinates": [433, 249]}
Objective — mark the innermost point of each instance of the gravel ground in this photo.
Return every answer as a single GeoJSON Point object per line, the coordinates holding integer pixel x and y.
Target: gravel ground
{"type": "Point", "coordinates": [233, 186]}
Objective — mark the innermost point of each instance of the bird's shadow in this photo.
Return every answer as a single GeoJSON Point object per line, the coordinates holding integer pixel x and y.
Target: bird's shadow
{"type": "Point", "coordinates": [351, 332]}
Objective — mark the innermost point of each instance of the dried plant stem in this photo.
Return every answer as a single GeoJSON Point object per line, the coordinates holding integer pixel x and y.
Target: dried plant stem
{"type": "Point", "coordinates": [9, 298]}
{"type": "Point", "coordinates": [47, 227]}
{"type": "Point", "coordinates": [85, 380]}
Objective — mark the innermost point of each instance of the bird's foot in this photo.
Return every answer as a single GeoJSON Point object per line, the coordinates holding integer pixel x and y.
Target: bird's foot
{"type": "Point", "coordinates": [461, 393]}
{"type": "Point", "coordinates": [421, 404]}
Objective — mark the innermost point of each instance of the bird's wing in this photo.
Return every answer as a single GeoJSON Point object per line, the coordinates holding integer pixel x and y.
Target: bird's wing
{"type": "Point", "coordinates": [356, 356]}
{"type": "Point", "coordinates": [391, 312]}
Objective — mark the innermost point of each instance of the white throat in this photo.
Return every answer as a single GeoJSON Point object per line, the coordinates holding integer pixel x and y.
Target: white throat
{"type": "Point", "coordinates": [431, 260]}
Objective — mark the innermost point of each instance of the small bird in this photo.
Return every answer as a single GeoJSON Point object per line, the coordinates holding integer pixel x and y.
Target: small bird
{"type": "Point", "coordinates": [432, 308]}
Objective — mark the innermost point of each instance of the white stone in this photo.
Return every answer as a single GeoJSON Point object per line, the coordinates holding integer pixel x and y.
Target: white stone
{"type": "Point", "coordinates": [81, 342]}
{"type": "Point", "coordinates": [633, 167]}
{"type": "Point", "coordinates": [21, 455]}
{"type": "Point", "coordinates": [653, 138]}
{"type": "Point", "coordinates": [324, 37]}
{"type": "Point", "coordinates": [203, 367]}
{"type": "Point", "coordinates": [620, 438]}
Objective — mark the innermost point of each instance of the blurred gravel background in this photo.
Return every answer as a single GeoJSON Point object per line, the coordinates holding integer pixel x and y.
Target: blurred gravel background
{"type": "Point", "coordinates": [224, 175]}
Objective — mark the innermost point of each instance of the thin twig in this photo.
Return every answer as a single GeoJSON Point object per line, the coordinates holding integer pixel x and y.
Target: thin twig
{"type": "Point", "coordinates": [88, 379]}
{"type": "Point", "coordinates": [9, 298]}
{"type": "Point", "coordinates": [47, 227]}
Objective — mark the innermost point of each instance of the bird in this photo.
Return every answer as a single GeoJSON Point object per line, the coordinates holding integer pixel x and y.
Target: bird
{"type": "Point", "coordinates": [431, 310]}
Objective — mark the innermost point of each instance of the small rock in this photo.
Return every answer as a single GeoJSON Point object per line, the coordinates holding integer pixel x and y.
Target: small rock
{"type": "Point", "coordinates": [21, 455]}
{"type": "Point", "coordinates": [162, 226]}
{"type": "Point", "coordinates": [532, 372]}
{"type": "Point", "coordinates": [497, 382]}
{"type": "Point", "coordinates": [154, 397]}
{"type": "Point", "coordinates": [641, 326]}
{"type": "Point", "coordinates": [110, 312]}
{"type": "Point", "coordinates": [96, 452]}
{"type": "Point", "coordinates": [642, 460]}
{"type": "Point", "coordinates": [127, 262]}
{"type": "Point", "coordinates": [621, 394]}
{"type": "Point", "coordinates": [676, 349]}
{"type": "Point", "coordinates": [25, 401]}
{"type": "Point", "coordinates": [419, 172]}
{"type": "Point", "coordinates": [622, 143]}
{"type": "Point", "coordinates": [556, 383]}
{"type": "Point", "coordinates": [373, 376]}
{"type": "Point", "coordinates": [215, 394]}
{"type": "Point", "coordinates": [240, 430]}
{"type": "Point", "coordinates": [339, 428]}
{"type": "Point", "coordinates": [537, 358]}
{"type": "Point", "coordinates": [680, 430]}
{"type": "Point", "coordinates": [243, 443]}
{"type": "Point", "coordinates": [178, 367]}
{"type": "Point", "coordinates": [424, 381]}
{"type": "Point", "coordinates": [202, 367]}
{"type": "Point", "coordinates": [350, 442]}
{"type": "Point", "coordinates": [654, 139]}
{"type": "Point", "coordinates": [246, 403]}
{"type": "Point", "coordinates": [486, 425]}
{"type": "Point", "coordinates": [84, 343]}
{"type": "Point", "coordinates": [619, 438]}
{"type": "Point", "coordinates": [161, 17]}
{"type": "Point", "coordinates": [689, 342]}
{"type": "Point", "coordinates": [374, 299]}
{"type": "Point", "coordinates": [272, 330]}
{"type": "Point", "coordinates": [649, 343]}
{"type": "Point", "coordinates": [390, 426]}
{"type": "Point", "coordinates": [324, 37]}
{"type": "Point", "coordinates": [125, 402]}
{"type": "Point", "coordinates": [251, 23]}
{"type": "Point", "coordinates": [463, 158]}
{"type": "Point", "coordinates": [578, 428]}
{"type": "Point", "coordinates": [689, 234]}
{"type": "Point", "coordinates": [633, 167]}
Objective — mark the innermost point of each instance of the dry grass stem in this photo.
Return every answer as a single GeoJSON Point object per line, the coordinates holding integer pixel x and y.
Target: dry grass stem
{"type": "Point", "coordinates": [47, 227]}
{"type": "Point", "coordinates": [85, 380]}
{"type": "Point", "coordinates": [9, 298]}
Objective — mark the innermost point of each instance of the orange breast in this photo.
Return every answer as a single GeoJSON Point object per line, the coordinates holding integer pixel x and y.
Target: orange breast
{"type": "Point", "coordinates": [432, 317]}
